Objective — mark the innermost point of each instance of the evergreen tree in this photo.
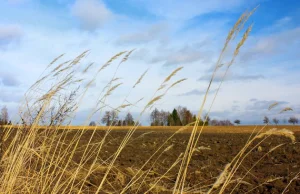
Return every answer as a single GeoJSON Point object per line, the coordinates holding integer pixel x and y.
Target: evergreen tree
{"type": "Point", "coordinates": [176, 119]}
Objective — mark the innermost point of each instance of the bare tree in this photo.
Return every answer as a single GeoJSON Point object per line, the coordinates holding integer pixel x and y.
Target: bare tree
{"type": "Point", "coordinates": [66, 105]}
{"type": "Point", "coordinates": [275, 121]}
{"type": "Point", "coordinates": [107, 118]}
{"type": "Point", "coordinates": [114, 117]}
{"type": "Point", "coordinates": [266, 120]}
{"type": "Point", "coordinates": [155, 117]}
{"type": "Point", "coordinates": [185, 115]}
{"type": "Point", "coordinates": [129, 120]}
{"type": "Point", "coordinates": [188, 117]}
{"type": "Point", "coordinates": [208, 120]}
{"type": "Point", "coordinates": [4, 116]}
{"type": "Point", "coordinates": [164, 117]}
{"type": "Point", "coordinates": [181, 113]}
{"type": "Point", "coordinates": [293, 120]}
{"type": "Point", "coordinates": [3, 121]}
{"type": "Point", "coordinates": [216, 122]}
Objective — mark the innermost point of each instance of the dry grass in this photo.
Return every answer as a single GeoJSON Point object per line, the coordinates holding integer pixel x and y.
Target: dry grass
{"type": "Point", "coordinates": [248, 129]}
{"type": "Point", "coordinates": [39, 156]}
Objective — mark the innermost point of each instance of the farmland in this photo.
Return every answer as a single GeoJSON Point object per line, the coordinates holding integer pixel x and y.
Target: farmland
{"type": "Point", "coordinates": [194, 144]}
{"type": "Point", "coordinates": [152, 151]}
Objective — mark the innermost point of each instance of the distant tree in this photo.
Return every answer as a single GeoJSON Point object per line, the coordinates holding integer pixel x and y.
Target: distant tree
{"type": "Point", "coordinates": [275, 121]}
{"type": "Point", "coordinates": [138, 123]}
{"type": "Point", "coordinates": [4, 116]}
{"type": "Point", "coordinates": [129, 120]}
{"type": "Point", "coordinates": [225, 123]}
{"type": "Point", "coordinates": [170, 120]}
{"type": "Point", "coordinates": [194, 118]}
{"type": "Point", "coordinates": [120, 123]}
{"type": "Point", "coordinates": [293, 120]}
{"type": "Point", "coordinates": [107, 118]}
{"type": "Point", "coordinates": [164, 117]}
{"type": "Point", "coordinates": [237, 121]}
{"type": "Point", "coordinates": [266, 120]}
{"type": "Point", "coordinates": [188, 117]}
{"type": "Point", "coordinates": [185, 115]}
{"type": "Point", "coordinates": [216, 122]}
{"type": "Point", "coordinates": [155, 117]}
{"type": "Point", "coordinates": [208, 120]}
{"type": "Point", "coordinates": [176, 118]}
{"type": "Point", "coordinates": [92, 123]}
{"type": "Point", "coordinates": [114, 117]}
{"type": "Point", "coordinates": [182, 111]}
{"type": "Point", "coordinates": [123, 123]}
{"type": "Point", "coordinates": [58, 113]}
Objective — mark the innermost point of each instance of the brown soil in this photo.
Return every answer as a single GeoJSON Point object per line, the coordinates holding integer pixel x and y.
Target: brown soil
{"type": "Point", "coordinates": [214, 150]}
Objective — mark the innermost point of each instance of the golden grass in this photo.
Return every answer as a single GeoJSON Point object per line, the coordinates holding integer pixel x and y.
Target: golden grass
{"type": "Point", "coordinates": [248, 129]}
{"type": "Point", "coordinates": [40, 159]}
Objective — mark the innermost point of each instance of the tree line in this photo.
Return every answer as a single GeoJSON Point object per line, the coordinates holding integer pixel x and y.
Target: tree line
{"type": "Point", "coordinates": [111, 118]}
{"type": "Point", "coordinates": [292, 120]}
{"type": "Point", "coordinates": [182, 116]}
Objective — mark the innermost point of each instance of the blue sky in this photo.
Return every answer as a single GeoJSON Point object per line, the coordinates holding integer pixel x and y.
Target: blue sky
{"type": "Point", "coordinates": [166, 35]}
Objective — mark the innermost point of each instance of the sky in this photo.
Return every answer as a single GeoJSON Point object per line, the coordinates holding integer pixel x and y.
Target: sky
{"type": "Point", "coordinates": [165, 35]}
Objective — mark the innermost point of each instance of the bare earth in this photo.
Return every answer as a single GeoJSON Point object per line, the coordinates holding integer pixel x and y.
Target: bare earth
{"type": "Point", "coordinates": [216, 148]}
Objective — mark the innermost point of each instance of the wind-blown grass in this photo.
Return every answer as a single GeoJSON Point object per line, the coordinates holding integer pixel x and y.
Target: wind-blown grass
{"type": "Point", "coordinates": [41, 159]}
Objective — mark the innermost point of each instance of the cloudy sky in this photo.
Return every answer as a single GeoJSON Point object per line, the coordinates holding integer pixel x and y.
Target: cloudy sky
{"type": "Point", "coordinates": [166, 35]}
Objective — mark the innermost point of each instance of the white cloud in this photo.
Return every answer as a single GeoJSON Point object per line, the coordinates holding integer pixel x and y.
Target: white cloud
{"type": "Point", "coordinates": [10, 33]}
{"type": "Point", "coordinates": [153, 33]}
{"type": "Point", "coordinates": [10, 96]}
{"type": "Point", "coordinates": [282, 22]}
{"type": "Point", "coordinates": [196, 92]}
{"type": "Point", "coordinates": [231, 77]}
{"type": "Point", "coordinates": [8, 80]}
{"type": "Point", "coordinates": [92, 14]}
{"type": "Point", "coordinates": [185, 55]}
{"type": "Point", "coordinates": [278, 44]}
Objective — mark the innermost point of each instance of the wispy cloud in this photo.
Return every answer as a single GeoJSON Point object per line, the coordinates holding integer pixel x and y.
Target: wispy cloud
{"type": "Point", "coordinates": [10, 96]}
{"type": "Point", "coordinates": [260, 105]}
{"type": "Point", "coordinates": [9, 33]}
{"type": "Point", "coordinates": [155, 32]}
{"type": "Point", "coordinates": [277, 44]}
{"type": "Point", "coordinates": [92, 14]}
{"type": "Point", "coordinates": [231, 77]}
{"type": "Point", "coordinates": [8, 80]}
{"type": "Point", "coordinates": [282, 22]}
{"type": "Point", "coordinates": [196, 92]}
{"type": "Point", "coordinates": [186, 55]}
